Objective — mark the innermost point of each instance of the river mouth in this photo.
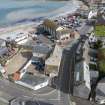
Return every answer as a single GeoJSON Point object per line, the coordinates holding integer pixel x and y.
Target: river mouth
{"type": "Point", "coordinates": [14, 11]}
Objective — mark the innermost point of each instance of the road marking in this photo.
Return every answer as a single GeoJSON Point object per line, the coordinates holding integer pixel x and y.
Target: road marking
{"type": "Point", "coordinates": [4, 100]}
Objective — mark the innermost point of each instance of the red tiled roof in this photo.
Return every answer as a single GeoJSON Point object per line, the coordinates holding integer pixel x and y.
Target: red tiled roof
{"type": "Point", "coordinates": [16, 76]}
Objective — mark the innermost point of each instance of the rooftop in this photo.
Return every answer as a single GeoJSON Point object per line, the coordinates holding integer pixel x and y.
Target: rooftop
{"type": "Point", "coordinates": [41, 48]}
{"type": "Point", "coordinates": [40, 39]}
{"type": "Point", "coordinates": [50, 23]}
{"type": "Point", "coordinates": [33, 79]}
{"type": "Point", "coordinates": [55, 58]}
{"type": "Point", "coordinates": [17, 62]}
{"type": "Point", "coordinates": [1, 41]}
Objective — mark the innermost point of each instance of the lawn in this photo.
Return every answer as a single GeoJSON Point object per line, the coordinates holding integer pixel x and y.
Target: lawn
{"type": "Point", "coordinates": [102, 66]}
{"type": "Point", "coordinates": [101, 61]}
{"type": "Point", "coordinates": [100, 30]}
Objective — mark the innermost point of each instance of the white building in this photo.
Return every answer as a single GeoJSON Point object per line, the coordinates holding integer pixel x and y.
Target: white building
{"type": "Point", "coordinates": [53, 62]}
{"type": "Point", "coordinates": [100, 92]}
{"type": "Point", "coordinates": [2, 70]}
{"type": "Point", "coordinates": [92, 14]}
{"type": "Point", "coordinates": [55, 30]}
{"type": "Point", "coordinates": [82, 80]}
{"type": "Point", "coordinates": [19, 36]}
{"type": "Point", "coordinates": [41, 50]}
{"type": "Point", "coordinates": [3, 48]}
{"type": "Point", "coordinates": [92, 38]}
{"type": "Point", "coordinates": [34, 82]}
{"type": "Point", "coordinates": [2, 43]}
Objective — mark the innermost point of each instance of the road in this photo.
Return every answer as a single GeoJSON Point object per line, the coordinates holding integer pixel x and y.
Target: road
{"type": "Point", "coordinates": [66, 73]}
{"type": "Point", "coordinates": [85, 29]}
{"type": "Point", "coordinates": [58, 96]}
{"type": "Point", "coordinates": [10, 90]}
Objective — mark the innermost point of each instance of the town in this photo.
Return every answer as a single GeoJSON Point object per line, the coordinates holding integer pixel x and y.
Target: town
{"type": "Point", "coordinates": [55, 61]}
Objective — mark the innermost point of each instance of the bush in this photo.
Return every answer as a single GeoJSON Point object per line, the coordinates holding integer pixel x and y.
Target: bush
{"type": "Point", "coordinates": [10, 77]}
{"type": "Point", "coordinates": [92, 66]}
{"type": "Point", "coordinates": [98, 44]}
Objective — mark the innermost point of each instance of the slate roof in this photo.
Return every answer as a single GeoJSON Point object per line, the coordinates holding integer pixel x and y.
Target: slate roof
{"type": "Point", "coordinates": [41, 48]}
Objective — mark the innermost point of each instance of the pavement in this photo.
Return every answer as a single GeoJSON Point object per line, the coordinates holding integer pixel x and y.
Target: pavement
{"type": "Point", "coordinates": [11, 90]}
{"type": "Point", "coordinates": [81, 101]}
{"type": "Point", "coordinates": [54, 96]}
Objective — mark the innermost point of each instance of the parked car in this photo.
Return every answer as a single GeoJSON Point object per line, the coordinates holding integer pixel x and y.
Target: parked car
{"type": "Point", "coordinates": [98, 101]}
{"type": "Point", "coordinates": [35, 60]}
{"type": "Point", "coordinates": [39, 63]}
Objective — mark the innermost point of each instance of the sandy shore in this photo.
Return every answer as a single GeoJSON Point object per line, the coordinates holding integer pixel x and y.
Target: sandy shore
{"type": "Point", "coordinates": [61, 12]}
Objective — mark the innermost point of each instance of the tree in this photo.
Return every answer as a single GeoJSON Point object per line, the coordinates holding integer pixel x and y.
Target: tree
{"type": "Point", "coordinates": [98, 44]}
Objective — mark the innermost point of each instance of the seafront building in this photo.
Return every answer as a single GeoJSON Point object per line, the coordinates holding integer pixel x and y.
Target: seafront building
{"type": "Point", "coordinates": [3, 48]}
{"type": "Point", "coordinates": [55, 30]}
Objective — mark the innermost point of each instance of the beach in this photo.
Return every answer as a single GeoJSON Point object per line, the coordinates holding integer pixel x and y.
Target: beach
{"type": "Point", "coordinates": [15, 11]}
{"type": "Point", "coordinates": [59, 12]}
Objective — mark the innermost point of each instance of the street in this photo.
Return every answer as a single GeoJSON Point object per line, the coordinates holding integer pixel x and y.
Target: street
{"type": "Point", "coordinates": [54, 96]}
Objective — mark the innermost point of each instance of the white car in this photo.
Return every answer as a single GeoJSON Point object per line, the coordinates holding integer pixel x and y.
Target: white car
{"type": "Point", "coordinates": [100, 101]}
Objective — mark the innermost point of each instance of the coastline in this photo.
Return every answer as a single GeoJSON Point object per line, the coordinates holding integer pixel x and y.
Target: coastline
{"type": "Point", "coordinates": [61, 12]}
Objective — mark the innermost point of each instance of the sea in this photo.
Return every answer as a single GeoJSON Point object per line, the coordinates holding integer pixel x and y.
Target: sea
{"type": "Point", "coordinates": [18, 11]}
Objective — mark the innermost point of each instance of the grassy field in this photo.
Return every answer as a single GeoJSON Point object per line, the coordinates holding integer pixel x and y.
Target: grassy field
{"type": "Point", "coordinates": [100, 30]}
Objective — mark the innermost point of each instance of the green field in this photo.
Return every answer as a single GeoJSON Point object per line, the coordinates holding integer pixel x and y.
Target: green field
{"type": "Point", "coordinates": [100, 30]}
{"type": "Point", "coordinates": [101, 61]}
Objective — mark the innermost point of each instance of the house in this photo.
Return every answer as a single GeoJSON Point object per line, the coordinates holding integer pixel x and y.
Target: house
{"type": "Point", "coordinates": [56, 31]}
{"type": "Point", "coordinates": [82, 74]}
{"type": "Point", "coordinates": [94, 74]}
{"type": "Point", "coordinates": [19, 36]}
{"type": "Point", "coordinates": [2, 70]}
{"type": "Point", "coordinates": [92, 14]}
{"type": "Point", "coordinates": [2, 43]}
{"type": "Point", "coordinates": [100, 91]}
{"type": "Point", "coordinates": [3, 48]}
{"type": "Point", "coordinates": [50, 26]}
{"type": "Point", "coordinates": [53, 62]}
{"type": "Point", "coordinates": [92, 38]}
{"type": "Point", "coordinates": [33, 82]}
{"type": "Point", "coordinates": [82, 80]}
{"type": "Point", "coordinates": [41, 50]}
{"type": "Point", "coordinates": [67, 37]}
{"type": "Point", "coordinates": [101, 20]}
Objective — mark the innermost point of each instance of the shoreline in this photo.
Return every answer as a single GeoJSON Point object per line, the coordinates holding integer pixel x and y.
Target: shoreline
{"type": "Point", "coordinates": [59, 12]}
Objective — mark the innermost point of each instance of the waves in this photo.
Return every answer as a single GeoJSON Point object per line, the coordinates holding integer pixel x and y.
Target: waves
{"type": "Point", "coordinates": [31, 9]}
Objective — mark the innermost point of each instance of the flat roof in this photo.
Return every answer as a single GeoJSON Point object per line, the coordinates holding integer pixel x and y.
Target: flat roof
{"type": "Point", "coordinates": [40, 39]}
{"type": "Point", "coordinates": [18, 61]}
{"type": "Point", "coordinates": [41, 48]}
{"type": "Point", "coordinates": [33, 79]}
{"type": "Point", "coordinates": [55, 58]}
{"type": "Point", "coordinates": [13, 34]}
